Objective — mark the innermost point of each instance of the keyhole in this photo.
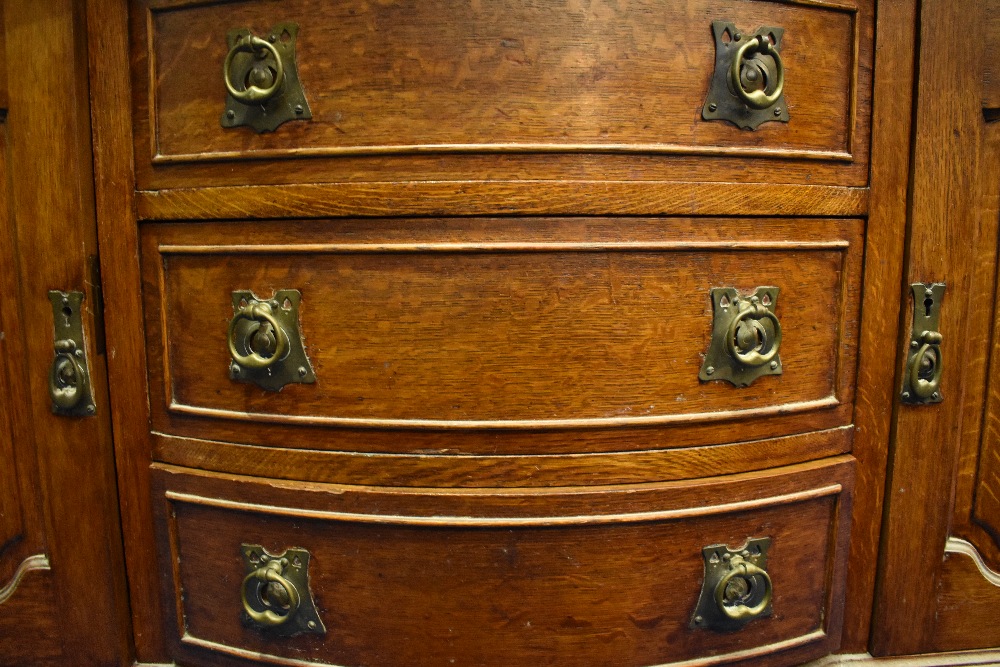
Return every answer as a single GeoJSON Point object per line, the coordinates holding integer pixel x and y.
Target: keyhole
{"type": "Point", "coordinates": [928, 302]}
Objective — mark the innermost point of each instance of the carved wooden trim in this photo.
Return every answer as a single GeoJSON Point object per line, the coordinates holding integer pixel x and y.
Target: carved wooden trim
{"type": "Point", "coordinates": [36, 562]}
{"type": "Point", "coordinates": [955, 545]}
{"type": "Point", "coordinates": [505, 521]}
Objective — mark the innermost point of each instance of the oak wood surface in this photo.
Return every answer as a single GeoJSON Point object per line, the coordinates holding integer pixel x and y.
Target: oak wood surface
{"type": "Point", "coordinates": [877, 350]}
{"type": "Point", "coordinates": [491, 328]}
{"type": "Point", "coordinates": [614, 586]}
{"type": "Point", "coordinates": [966, 605]}
{"type": "Point", "coordinates": [977, 494]}
{"type": "Point", "coordinates": [508, 77]}
{"type": "Point", "coordinates": [445, 468]}
{"type": "Point", "coordinates": [32, 635]}
{"type": "Point", "coordinates": [945, 238]}
{"type": "Point", "coordinates": [524, 197]}
{"type": "Point", "coordinates": [499, 184]}
{"type": "Point", "coordinates": [117, 234]}
{"type": "Point", "coordinates": [51, 187]}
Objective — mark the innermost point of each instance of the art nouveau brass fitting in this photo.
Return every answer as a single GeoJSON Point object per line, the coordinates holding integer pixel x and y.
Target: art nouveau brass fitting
{"type": "Point", "coordinates": [746, 335]}
{"type": "Point", "coordinates": [262, 79]}
{"type": "Point", "coordinates": [264, 341]}
{"type": "Point", "coordinates": [922, 379]}
{"type": "Point", "coordinates": [275, 592]}
{"type": "Point", "coordinates": [737, 588]}
{"type": "Point", "coordinates": [748, 87]}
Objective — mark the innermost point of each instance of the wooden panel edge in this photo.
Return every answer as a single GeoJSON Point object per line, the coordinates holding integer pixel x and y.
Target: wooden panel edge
{"type": "Point", "coordinates": [883, 269]}
{"type": "Point", "coordinates": [111, 125]}
{"type": "Point", "coordinates": [416, 198]}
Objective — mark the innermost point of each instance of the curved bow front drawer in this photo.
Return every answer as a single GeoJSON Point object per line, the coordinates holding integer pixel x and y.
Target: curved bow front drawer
{"type": "Point", "coordinates": [634, 576]}
{"type": "Point", "coordinates": [379, 86]}
{"type": "Point", "coordinates": [502, 335]}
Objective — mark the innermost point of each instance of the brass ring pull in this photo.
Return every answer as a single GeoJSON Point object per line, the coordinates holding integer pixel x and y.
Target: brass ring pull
{"type": "Point", "coordinates": [757, 99]}
{"type": "Point", "coordinates": [258, 580]}
{"type": "Point", "coordinates": [253, 94]}
{"type": "Point", "coordinates": [926, 359]}
{"type": "Point", "coordinates": [747, 330]}
{"type": "Point", "coordinates": [67, 377]}
{"type": "Point", "coordinates": [745, 570]}
{"type": "Point", "coordinates": [256, 312]}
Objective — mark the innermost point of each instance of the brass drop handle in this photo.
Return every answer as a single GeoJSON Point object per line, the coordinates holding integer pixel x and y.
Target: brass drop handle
{"type": "Point", "coordinates": [740, 584]}
{"type": "Point", "coordinates": [254, 93]}
{"type": "Point", "coordinates": [270, 592]}
{"type": "Point", "coordinates": [255, 329]}
{"type": "Point", "coordinates": [757, 99]}
{"type": "Point", "coordinates": [754, 334]}
{"type": "Point", "coordinates": [925, 369]}
{"type": "Point", "coordinates": [67, 376]}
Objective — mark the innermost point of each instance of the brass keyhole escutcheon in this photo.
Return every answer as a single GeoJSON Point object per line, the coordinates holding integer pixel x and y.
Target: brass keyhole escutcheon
{"type": "Point", "coordinates": [275, 594]}
{"type": "Point", "coordinates": [922, 379]}
{"type": "Point", "coordinates": [69, 377]}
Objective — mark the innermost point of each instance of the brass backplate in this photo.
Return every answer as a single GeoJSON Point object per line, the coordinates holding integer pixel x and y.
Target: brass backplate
{"type": "Point", "coordinates": [292, 566]}
{"type": "Point", "coordinates": [69, 375]}
{"type": "Point", "coordinates": [922, 378]}
{"type": "Point", "coordinates": [722, 102]}
{"type": "Point", "coordinates": [720, 362]}
{"type": "Point", "coordinates": [718, 559]}
{"type": "Point", "coordinates": [294, 367]}
{"type": "Point", "coordinates": [290, 101]}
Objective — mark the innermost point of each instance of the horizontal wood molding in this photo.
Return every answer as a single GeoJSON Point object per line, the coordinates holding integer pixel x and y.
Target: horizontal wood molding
{"type": "Point", "coordinates": [415, 198]}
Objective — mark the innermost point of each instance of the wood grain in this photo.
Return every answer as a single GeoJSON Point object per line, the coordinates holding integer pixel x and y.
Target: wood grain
{"type": "Point", "coordinates": [878, 355]}
{"type": "Point", "coordinates": [524, 197]}
{"type": "Point", "coordinates": [509, 77]}
{"type": "Point", "coordinates": [446, 469]}
{"type": "Point", "coordinates": [53, 214]}
{"type": "Point", "coordinates": [599, 591]}
{"type": "Point", "coordinates": [967, 604]}
{"type": "Point", "coordinates": [946, 236]}
{"type": "Point", "coordinates": [117, 233]}
{"type": "Point", "coordinates": [32, 635]}
{"type": "Point", "coordinates": [991, 70]}
{"type": "Point", "coordinates": [491, 330]}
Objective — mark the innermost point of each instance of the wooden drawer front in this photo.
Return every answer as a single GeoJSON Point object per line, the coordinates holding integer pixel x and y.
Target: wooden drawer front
{"type": "Point", "coordinates": [501, 326]}
{"type": "Point", "coordinates": [596, 578]}
{"type": "Point", "coordinates": [501, 77]}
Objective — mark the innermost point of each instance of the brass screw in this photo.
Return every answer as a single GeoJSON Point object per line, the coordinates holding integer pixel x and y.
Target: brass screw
{"type": "Point", "coordinates": [906, 394]}
{"type": "Point", "coordinates": [936, 395]}
{"type": "Point", "coordinates": [299, 109]}
{"type": "Point", "coordinates": [774, 364]}
{"type": "Point", "coordinates": [713, 106]}
{"type": "Point", "coordinates": [709, 370]}
{"type": "Point", "coordinates": [777, 111]}
{"type": "Point", "coordinates": [230, 114]}
{"type": "Point", "coordinates": [302, 371]}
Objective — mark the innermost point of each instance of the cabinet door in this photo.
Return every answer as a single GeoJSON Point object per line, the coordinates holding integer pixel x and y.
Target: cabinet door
{"type": "Point", "coordinates": [62, 595]}
{"type": "Point", "coordinates": [940, 580]}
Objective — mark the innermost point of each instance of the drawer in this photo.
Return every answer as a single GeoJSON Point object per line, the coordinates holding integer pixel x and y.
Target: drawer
{"type": "Point", "coordinates": [570, 577]}
{"type": "Point", "coordinates": [426, 91]}
{"type": "Point", "coordinates": [502, 336]}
